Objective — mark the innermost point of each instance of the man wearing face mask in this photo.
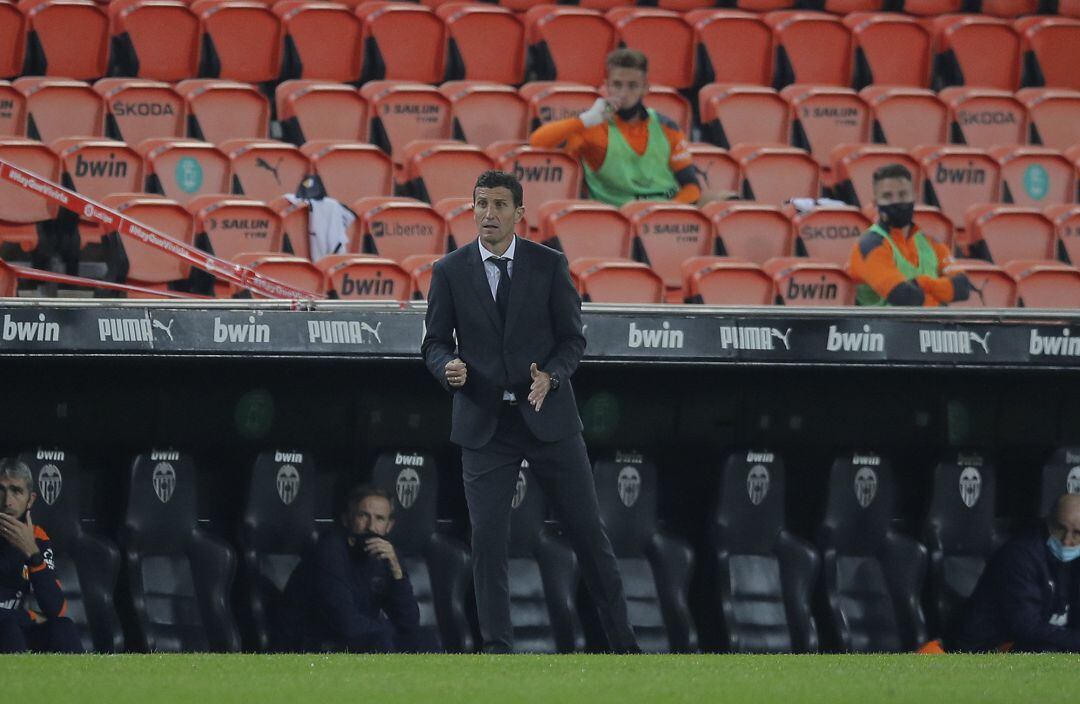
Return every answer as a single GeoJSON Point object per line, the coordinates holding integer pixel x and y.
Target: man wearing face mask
{"type": "Point", "coordinates": [628, 151]}
{"type": "Point", "coordinates": [1026, 599]}
{"type": "Point", "coordinates": [351, 593]}
{"type": "Point", "coordinates": [894, 263]}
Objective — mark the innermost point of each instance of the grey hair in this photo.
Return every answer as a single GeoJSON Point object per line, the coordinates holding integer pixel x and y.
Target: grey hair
{"type": "Point", "coordinates": [17, 469]}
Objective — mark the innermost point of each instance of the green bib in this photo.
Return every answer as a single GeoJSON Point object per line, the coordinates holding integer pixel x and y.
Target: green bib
{"type": "Point", "coordinates": [625, 176]}
{"type": "Point", "coordinates": [928, 265]}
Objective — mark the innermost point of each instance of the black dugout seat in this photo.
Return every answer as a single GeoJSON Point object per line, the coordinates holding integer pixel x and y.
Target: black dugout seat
{"type": "Point", "coordinates": [959, 531]}
{"type": "Point", "coordinates": [872, 576]}
{"type": "Point", "coordinates": [277, 528]}
{"type": "Point", "coordinates": [763, 576]}
{"type": "Point", "coordinates": [178, 577]}
{"type": "Point", "coordinates": [543, 576]}
{"type": "Point", "coordinates": [86, 565]}
{"type": "Point", "coordinates": [1061, 475]}
{"type": "Point", "coordinates": [437, 565]}
{"type": "Point", "coordinates": [655, 568]}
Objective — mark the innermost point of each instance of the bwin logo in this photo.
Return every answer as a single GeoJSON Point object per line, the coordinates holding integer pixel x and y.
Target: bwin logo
{"type": "Point", "coordinates": [164, 478]}
{"type": "Point", "coordinates": [1072, 482]}
{"type": "Point", "coordinates": [666, 338]}
{"type": "Point", "coordinates": [39, 331]}
{"type": "Point", "coordinates": [864, 341]}
{"type": "Point", "coordinates": [288, 483]}
{"type": "Point", "coordinates": [242, 332]}
{"type": "Point", "coordinates": [866, 486]}
{"type": "Point", "coordinates": [408, 487]}
{"type": "Point", "coordinates": [970, 486]}
{"type": "Point", "coordinates": [520, 489]}
{"type": "Point", "coordinates": [757, 484]}
{"type": "Point", "coordinates": [50, 483]}
{"type": "Point", "coordinates": [629, 486]}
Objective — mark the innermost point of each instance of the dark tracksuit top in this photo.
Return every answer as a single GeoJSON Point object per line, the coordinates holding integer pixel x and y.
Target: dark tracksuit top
{"type": "Point", "coordinates": [339, 593]}
{"type": "Point", "coordinates": [18, 580]}
{"type": "Point", "coordinates": [1023, 588]}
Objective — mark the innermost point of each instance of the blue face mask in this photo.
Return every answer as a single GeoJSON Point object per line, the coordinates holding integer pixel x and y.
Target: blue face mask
{"type": "Point", "coordinates": [1060, 551]}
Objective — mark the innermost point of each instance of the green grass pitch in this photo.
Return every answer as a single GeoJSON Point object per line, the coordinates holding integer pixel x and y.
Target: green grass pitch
{"type": "Point", "coordinates": [473, 679]}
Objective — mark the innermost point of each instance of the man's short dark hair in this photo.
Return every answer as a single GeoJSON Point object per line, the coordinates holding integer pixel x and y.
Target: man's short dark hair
{"type": "Point", "coordinates": [501, 179]}
{"type": "Point", "coordinates": [365, 491]}
{"type": "Point", "coordinates": [892, 171]}
{"type": "Point", "coordinates": [627, 58]}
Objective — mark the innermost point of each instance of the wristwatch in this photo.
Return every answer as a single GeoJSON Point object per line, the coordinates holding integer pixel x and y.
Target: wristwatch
{"type": "Point", "coordinates": [554, 382]}
{"type": "Point", "coordinates": [35, 560]}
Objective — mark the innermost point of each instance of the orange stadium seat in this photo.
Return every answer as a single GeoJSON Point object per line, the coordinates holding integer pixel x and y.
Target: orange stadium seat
{"type": "Point", "coordinates": [131, 261]}
{"type": "Point", "coordinates": [419, 267]}
{"type": "Point", "coordinates": [684, 5]}
{"type": "Point", "coordinates": [22, 211]}
{"type": "Point", "coordinates": [731, 47]}
{"type": "Point", "coordinates": [667, 233]}
{"type": "Point", "coordinates": [933, 223]}
{"type": "Point", "coordinates": [829, 233]}
{"type": "Point", "coordinates": [955, 178]}
{"type": "Point", "coordinates": [484, 112]}
{"type": "Point", "coordinates": [401, 112]}
{"type": "Point", "coordinates": [775, 174]}
{"type": "Point", "coordinates": [1069, 8]}
{"type": "Point", "coordinates": [808, 282]}
{"type": "Point", "coordinates": [811, 47]}
{"type": "Point", "coordinates": [395, 228]}
{"type": "Point", "coordinates": [350, 170]}
{"type": "Point", "coordinates": [402, 42]}
{"type": "Point", "coordinates": [1035, 176]}
{"type": "Point", "coordinates": [322, 41]}
{"type": "Point", "coordinates": [139, 109]}
{"type": "Point", "coordinates": [1004, 233]}
{"type": "Point", "coordinates": [438, 170]}
{"type": "Point", "coordinates": [853, 167]}
{"type": "Point", "coordinates": [717, 173]}
{"type": "Point", "coordinates": [58, 108]}
{"type": "Point", "coordinates": [584, 228]}
{"type": "Point", "coordinates": [992, 287]}
{"type": "Point", "coordinates": [847, 7]}
{"type": "Point", "coordinates": [974, 50]}
{"type": "Point", "coordinates": [876, 38]}
{"type": "Point", "coordinates": [265, 169]}
{"type": "Point", "coordinates": [66, 38]}
{"type": "Point", "coordinates": [753, 232]}
{"type": "Point", "coordinates": [12, 111]}
{"type": "Point", "coordinates": [12, 40]}
{"type": "Point", "coordinates": [664, 37]}
{"type": "Point", "coordinates": [545, 174]}
{"type": "Point", "coordinates": [1008, 8]}
{"type": "Point", "coordinates": [183, 169]}
{"type": "Point", "coordinates": [286, 269]}
{"type": "Point", "coordinates": [229, 225]}
{"type": "Point", "coordinates": [484, 43]}
{"type": "Point", "coordinates": [1053, 116]}
{"type": "Point", "coordinates": [983, 117]}
{"type": "Point", "coordinates": [671, 104]}
{"type": "Point", "coordinates": [930, 8]}
{"type": "Point", "coordinates": [95, 168]}
{"type": "Point", "coordinates": [294, 226]}
{"type": "Point", "coordinates": [154, 39]}
{"type": "Point", "coordinates": [724, 281]}
{"type": "Point", "coordinates": [223, 110]}
{"type": "Point", "coordinates": [1050, 46]}
{"type": "Point", "coordinates": [550, 101]}
{"type": "Point", "coordinates": [310, 110]}
{"type": "Point", "coordinates": [823, 117]}
{"type": "Point", "coordinates": [568, 43]}
{"type": "Point", "coordinates": [764, 5]}
{"type": "Point", "coordinates": [906, 117]}
{"type": "Point", "coordinates": [359, 277]}
{"type": "Point", "coordinates": [616, 281]}
{"type": "Point", "coordinates": [1066, 219]}
{"type": "Point", "coordinates": [737, 114]}
{"type": "Point", "coordinates": [241, 41]}
{"type": "Point", "coordinates": [1045, 284]}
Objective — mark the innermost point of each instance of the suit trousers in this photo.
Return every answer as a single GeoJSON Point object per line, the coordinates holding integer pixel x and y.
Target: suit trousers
{"type": "Point", "coordinates": [565, 476]}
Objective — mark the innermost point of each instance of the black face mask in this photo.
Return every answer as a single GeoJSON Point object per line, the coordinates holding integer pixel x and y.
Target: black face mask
{"type": "Point", "coordinates": [360, 542]}
{"type": "Point", "coordinates": [627, 114]}
{"type": "Point", "coordinates": [897, 214]}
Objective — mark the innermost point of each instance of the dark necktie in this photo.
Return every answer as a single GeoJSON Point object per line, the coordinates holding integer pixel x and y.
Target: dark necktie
{"type": "Point", "coordinates": [502, 291]}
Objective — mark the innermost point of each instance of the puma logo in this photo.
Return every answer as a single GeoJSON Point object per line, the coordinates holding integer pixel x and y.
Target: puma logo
{"type": "Point", "coordinates": [167, 329]}
{"type": "Point", "coordinates": [263, 164]}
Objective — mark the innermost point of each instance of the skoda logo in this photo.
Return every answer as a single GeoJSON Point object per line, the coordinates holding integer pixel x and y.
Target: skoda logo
{"type": "Point", "coordinates": [866, 485]}
{"type": "Point", "coordinates": [164, 481]}
{"type": "Point", "coordinates": [288, 483]}
{"type": "Point", "coordinates": [970, 486]}
{"type": "Point", "coordinates": [629, 486]}
{"type": "Point", "coordinates": [408, 487]}
{"type": "Point", "coordinates": [50, 483]}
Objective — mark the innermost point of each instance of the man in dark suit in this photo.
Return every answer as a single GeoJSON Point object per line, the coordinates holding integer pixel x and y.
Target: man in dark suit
{"type": "Point", "coordinates": [517, 320]}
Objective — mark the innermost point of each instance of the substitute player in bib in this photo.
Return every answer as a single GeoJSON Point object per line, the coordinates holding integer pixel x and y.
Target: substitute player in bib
{"type": "Point", "coordinates": [894, 263]}
{"type": "Point", "coordinates": [628, 151]}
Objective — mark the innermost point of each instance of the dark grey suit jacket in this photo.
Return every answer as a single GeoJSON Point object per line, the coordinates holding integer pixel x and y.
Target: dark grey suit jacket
{"type": "Point", "coordinates": [543, 325]}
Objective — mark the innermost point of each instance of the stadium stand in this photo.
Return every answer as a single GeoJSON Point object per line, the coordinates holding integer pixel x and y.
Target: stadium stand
{"type": "Point", "coordinates": [983, 117]}
{"type": "Point", "coordinates": [665, 234]}
{"type": "Point", "coordinates": [906, 117]}
{"type": "Point", "coordinates": [350, 170]}
{"type": "Point", "coordinates": [139, 109]}
{"type": "Point", "coordinates": [153, 39]}
{"type": "Point", "coordinates": [568, 43]}
{"type": "Point", "coordinates": [419, 268]}
{"type": "Point", "coordinates": [992, 287]}
{"type": "Point", "coordinates": [222, 110]}
{"type": "Point", "coordinates": [975, 51]}
{"type": "Point", "coordinates": [401, 112]}
{"type": "Point", "coordinates": [1045, 284]}
{"type": "Point", "coordinates": [829, 233]}
{"type": "Point", "coordinates": [853, 167]}
{"type": "Point", "coordinates": [1049, 46]}
{"type": "Point", "coordinates": [809, 282]}
{"type": "Point", "coordinates": [584, 228]}
{"type": "Point", "coordinates": [717, 173]}
{"type": "Point", "coordinates": [811, 47]}
{"type": "Point", "coordinates": [545, 174]}
{"type": "Point", "coordinates": [288, 269]}
{"type": "Point", "coordinates": [755, 232]}
{"type": "Point", "coordinates": [387, 56]}
{"type": "Point", "coordinates": [1066, 219]}
{"type": "Point", "coordinates": [13, 39]}
{"type": "Point", "coordinates": [1003, 233]}
{"type": "Point", "coordinates": [484, 113]}
{"type": "Point", "coordinates": [955, 178]}
{"type": "Point", "coordinates": [365, 278]}
{"type": "Point", "coordinates": [556, 100]}
{"type": "Point", "coordinates": [725, 281]}
{"type": "Point", "coordinates": [1035, 176]}
{"type": "Point", "coordinates": [265, 169]}
{"type": "Point", "coordinates": [776, 174]}
{"type": "Point", "coordinates": [394, 228]}
{"type": "Point", "coordinates": [665, 38]}
{"type": "Point", "coordinates": [12, 111]}
{"type": "Point", "coordinates": [437, 170]}
{"type": "Point", "coordinates": [876, 37]}
{"type": "Point", "coordinates": [823, 118]}
{"type": "Point", "coordinates": [731, 47]}
{"type": "Point", "coordinates": [483, 43]}
{"type": "Point", "coordinates": [317, 110]}
{"type": "Point", "coordinates": [737, 114]}
{"type": "Point", "coordinates": [130, 261]}
{"type": "Point", "coordinates": [58, 108]}
{"type": "Point", "coordinates": [241, 40]}
{"type": "Point", "coordinates": [322, 41]}
{"type": "Point", "coordinates": [66, 38]}
{"type": "Point", "coordinates": [1054, 116]}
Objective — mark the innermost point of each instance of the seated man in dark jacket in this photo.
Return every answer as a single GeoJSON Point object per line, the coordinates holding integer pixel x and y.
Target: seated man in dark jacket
{"type": "Point", "coordinates": [351, 593]}
{"type": "Point", "coordinates": [1026, 600]}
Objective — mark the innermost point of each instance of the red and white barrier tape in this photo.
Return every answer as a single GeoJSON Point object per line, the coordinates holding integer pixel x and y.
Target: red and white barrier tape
{"type": "Point", "coordinates": [96, 212]}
